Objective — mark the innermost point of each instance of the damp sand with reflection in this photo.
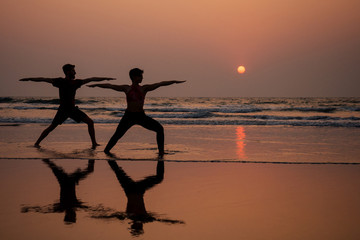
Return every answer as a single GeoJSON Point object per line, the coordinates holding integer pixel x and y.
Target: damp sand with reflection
{"type": "Point", "coordinates": [196, 200]}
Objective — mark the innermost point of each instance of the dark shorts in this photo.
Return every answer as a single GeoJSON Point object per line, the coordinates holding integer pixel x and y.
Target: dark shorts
{"type": "Point", "coordinates": [64, 113]}
{"type": "Point", "coordinates": [140, 118]}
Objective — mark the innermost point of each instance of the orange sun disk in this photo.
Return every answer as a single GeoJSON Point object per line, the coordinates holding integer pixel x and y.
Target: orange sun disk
{"type": "Point", "coordinates": [241, 69]}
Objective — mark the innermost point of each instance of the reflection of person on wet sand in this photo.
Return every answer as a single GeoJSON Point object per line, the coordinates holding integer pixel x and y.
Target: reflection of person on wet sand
{"type": "Point", "coordinates": [134, 114]}
{"type": "Point", "coordinates": [68, 203]}
{"type": "Point", "coordinates": [75, 153]}
{"type": "Point", "coordinates": [67, 90]}
{"type": "Point", "coordinates": [135, 190]}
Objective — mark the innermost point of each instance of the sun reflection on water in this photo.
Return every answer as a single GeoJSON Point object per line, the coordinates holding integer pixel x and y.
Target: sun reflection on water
{"type": "Point", "coordinates": [240, 142]}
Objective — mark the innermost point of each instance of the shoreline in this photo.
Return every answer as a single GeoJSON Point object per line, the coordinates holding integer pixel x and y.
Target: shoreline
{"type": "Point", "coordinates": [247, 144]}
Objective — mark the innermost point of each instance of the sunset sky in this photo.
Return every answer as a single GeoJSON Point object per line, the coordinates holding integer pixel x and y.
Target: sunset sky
{"type": "Point", "coordinates": [290, 48]}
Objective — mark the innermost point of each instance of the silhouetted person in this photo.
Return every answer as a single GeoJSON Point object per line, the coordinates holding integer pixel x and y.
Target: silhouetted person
{"type": "Point", "coordinates": [134, 114]}
{"type": "Point", "coordinates": [68, 203]}
{"type": "Point", "coordinates": [135, 190]}
{"type": "Point", "coordinates": [67, 90]}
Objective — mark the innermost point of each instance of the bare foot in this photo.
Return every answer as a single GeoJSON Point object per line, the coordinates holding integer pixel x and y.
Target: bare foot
{"type": "Point", "coordinates": [94, 146]}
{"type": "Point", "coordinates": [108, 153]}
{"type": "Point", "coordinates": [161, 154]}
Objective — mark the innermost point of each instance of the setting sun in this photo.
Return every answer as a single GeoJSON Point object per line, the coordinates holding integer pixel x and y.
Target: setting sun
{"type": "Point", "coordinates": [241, 69]}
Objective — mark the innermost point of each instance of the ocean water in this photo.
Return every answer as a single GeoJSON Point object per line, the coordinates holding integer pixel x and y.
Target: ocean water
{"type": "Point", "coordinates": [332, 112]}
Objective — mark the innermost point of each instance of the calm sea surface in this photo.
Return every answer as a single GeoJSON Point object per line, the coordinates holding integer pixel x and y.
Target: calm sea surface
{"type": "Point", "coordinates": [333, 112]}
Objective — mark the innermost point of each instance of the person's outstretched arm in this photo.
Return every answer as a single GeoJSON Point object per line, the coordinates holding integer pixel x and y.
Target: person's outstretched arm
{"type": "Point", "coordinates": [120, 88]}
{"type": "Point", "coordinates": [151, 87]}
{"type": "Point", "coordinates": [39, 79]}
{"type": "Point", "coordinates": [95, 79]}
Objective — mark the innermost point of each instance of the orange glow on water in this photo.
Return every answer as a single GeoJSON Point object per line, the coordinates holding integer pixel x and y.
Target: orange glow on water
{"type": "Point", "coordinates": [240, 142]}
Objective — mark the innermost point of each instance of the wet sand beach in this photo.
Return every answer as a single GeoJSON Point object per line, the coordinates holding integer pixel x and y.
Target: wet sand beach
{"type": "Point", "coordinates": [216, 182]}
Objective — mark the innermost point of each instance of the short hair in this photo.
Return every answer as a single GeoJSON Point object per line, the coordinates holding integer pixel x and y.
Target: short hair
{"type": "Point", "coordinates": [68, 67]}
{"type": "Point", "coordinates": [135, 72]}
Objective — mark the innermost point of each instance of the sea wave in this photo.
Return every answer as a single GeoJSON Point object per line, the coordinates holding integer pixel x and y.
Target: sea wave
{"type": "Point", "coordinates": [34, 108]}
{"type": "Point", "coordinates": [311, 109]}
{"type": "Point", "coordinates": [43, 101]}
{"type": "Point", "coordinates": [225, 109]}
{"type": "Point", "coordinates": [334, 112]}
{"type": "Point", "coordinates": [205, 121]}
{"type": "Point", "coordinates": [54, 101]}
{"type": "Point", "coordinates": [7, 99]}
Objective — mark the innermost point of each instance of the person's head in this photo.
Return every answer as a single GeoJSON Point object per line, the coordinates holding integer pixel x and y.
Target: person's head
{"type": "Point", "coordinates": [69, 70]}
{"type": "Point", "coordinates": [136, 75]}
{"type": "Point", "coordinates": [137, 228]}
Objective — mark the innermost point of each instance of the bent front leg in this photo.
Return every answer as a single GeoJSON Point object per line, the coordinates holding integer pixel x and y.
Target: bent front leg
{"type": "Point", "coordinates": [122, 128]}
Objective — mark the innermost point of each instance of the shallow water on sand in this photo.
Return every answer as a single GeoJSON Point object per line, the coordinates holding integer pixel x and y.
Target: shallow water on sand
{"type": "Point", "coordinates": [269, 144]}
